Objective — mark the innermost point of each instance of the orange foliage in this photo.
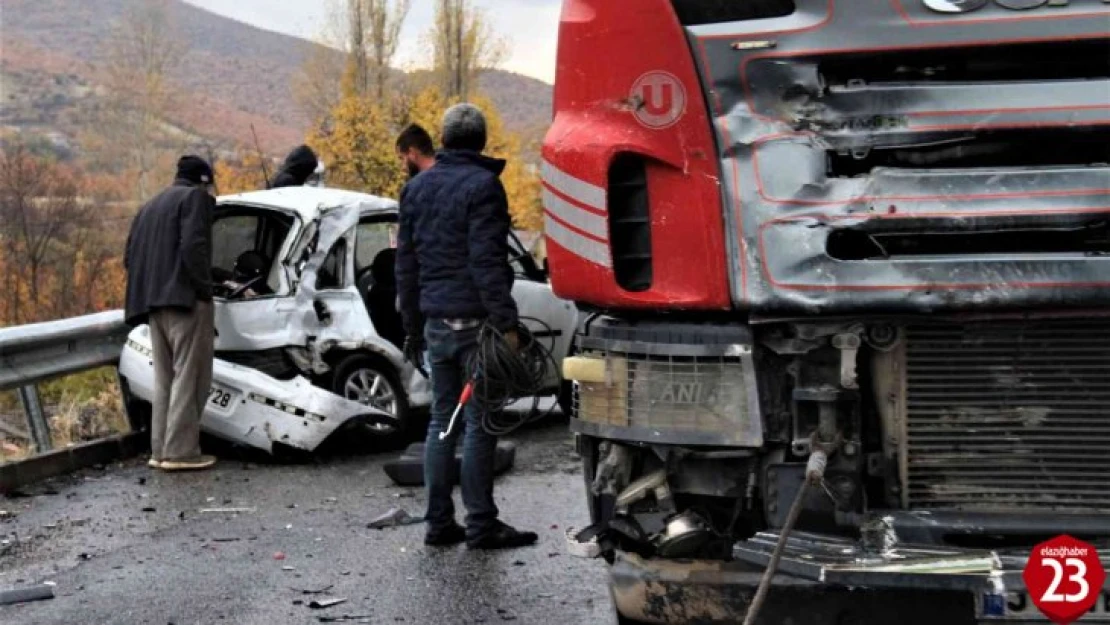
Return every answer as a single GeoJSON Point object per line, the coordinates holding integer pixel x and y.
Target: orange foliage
{"type": "Point", "coordinates": [243, 175]}
{"type": "Point", "coordinates": [61, 241]}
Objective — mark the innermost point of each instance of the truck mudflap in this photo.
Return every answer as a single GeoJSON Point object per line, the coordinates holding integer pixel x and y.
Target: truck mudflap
{"type": "Point", "coordinates": [828, 579]}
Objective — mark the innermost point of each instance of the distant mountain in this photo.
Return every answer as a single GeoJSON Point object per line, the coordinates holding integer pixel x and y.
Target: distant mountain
{"type": "Point", "coordinates": [233, 75]}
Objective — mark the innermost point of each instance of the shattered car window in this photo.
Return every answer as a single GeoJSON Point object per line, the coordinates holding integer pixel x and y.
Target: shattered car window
{"type": "Point", "coordinates": [232, 236]}
{"type": "Point", "coordinates": [373, 237]}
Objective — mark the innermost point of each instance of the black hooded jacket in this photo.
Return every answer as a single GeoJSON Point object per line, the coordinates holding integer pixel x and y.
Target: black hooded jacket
{"type": "Point", "coordinates": [453, 243]}
{"type": "Point", "coordinates": [297, 168]}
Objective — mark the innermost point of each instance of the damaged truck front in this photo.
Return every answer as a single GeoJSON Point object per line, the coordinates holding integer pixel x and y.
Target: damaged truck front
{"type": "Point", "coordinates": [865, 241]}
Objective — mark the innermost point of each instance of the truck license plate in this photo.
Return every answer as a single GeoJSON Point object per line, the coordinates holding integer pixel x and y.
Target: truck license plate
{"type": "Point", "coordinates": [221, 399]}
{"type": "Point", "coordinates": [1019, 607]}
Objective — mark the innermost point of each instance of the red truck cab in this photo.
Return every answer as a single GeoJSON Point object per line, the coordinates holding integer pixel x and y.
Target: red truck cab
{"type": "Point", "coordinates": [877, 230]}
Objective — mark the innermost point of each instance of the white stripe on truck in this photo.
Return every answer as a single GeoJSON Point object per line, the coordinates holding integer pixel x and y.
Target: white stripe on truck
{"type": "Point", "coordinates": [576, 189]}
{"type": "Point", "coordinates": [578, 217]}
{"type": "Point", "coordinates": [577, 244]}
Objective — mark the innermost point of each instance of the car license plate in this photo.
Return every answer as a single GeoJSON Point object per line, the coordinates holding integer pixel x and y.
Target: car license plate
{"type": "Point", "coordinates": [1019, 607]}
{"type": "Point", "coordinates": [221, 399]}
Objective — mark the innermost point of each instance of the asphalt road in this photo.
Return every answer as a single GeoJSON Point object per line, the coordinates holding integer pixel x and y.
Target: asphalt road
{"type": "Point", "coordinates": [128, 545]}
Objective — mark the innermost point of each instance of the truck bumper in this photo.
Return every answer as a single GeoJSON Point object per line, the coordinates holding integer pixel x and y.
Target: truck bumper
{"type": "Point", "coordinates": [702, 591]}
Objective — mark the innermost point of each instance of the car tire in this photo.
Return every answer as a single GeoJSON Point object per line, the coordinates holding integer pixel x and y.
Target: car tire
{"type": "Point", "coordinates": [359, 375]}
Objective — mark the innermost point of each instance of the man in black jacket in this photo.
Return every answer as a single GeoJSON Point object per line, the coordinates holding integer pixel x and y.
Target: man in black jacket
{"type": "Point", "coordinates": [169, 287]}
{"type": "Point", "coordinates": [453, 275]}
{"type": "Point", "coordinates": [298, 167]}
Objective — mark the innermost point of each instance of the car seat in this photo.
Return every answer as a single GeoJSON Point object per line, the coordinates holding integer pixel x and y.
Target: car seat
{"type": "Point", "coordinates": [381, 298]}
{"type": "Point", "coordinates": [249, 266]}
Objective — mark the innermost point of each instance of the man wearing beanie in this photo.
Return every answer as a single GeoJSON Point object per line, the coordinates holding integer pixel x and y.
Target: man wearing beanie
{"type": "Point", "coordinates": [169, 287]}
{"type": "Point", "coordinates": [453, 274]}
{"type": "Point", "coordinates": [298, 167]}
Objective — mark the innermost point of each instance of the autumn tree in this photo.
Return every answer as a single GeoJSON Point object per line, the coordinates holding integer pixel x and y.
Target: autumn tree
{"type": "Point", "coordinates": [56, 247]}
{"type": "Point", "coordinates": [247, 173]}
{"type": "Point", "coordinates": [142, 53]}
{"type": "Point", "coordinates": [357, 147]}
{"type": "Point", "coordinates": [463, 45]}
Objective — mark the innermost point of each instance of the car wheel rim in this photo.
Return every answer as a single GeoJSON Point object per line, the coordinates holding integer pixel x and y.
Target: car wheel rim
{"type": "Point", "coordinates": [372, 388]}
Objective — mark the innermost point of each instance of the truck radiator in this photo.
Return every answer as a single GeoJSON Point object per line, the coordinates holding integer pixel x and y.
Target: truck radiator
{"type": "Point", "coordinates": [1009, 415]}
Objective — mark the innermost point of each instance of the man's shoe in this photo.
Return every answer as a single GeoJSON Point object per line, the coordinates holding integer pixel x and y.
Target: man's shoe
{"type": "Point", "coordinates": [452, 535]}
{"type": "Point", "coordinates": [503, 536]}
{"type": "Point", "coordinates": [154, 464]}
{"type": "Point", "coordinates": [189, 464]}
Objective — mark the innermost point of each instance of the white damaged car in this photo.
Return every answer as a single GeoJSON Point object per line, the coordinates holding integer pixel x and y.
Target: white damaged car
{"type": "Point", "coordinates": [308, 337]}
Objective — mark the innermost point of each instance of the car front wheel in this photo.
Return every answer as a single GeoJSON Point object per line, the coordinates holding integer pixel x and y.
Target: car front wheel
{"type": "Point", "coordinates": [372, 382]}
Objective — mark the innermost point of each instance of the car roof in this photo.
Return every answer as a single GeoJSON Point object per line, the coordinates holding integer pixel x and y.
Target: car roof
{"type": "Point", "coordinates": [310, 202]}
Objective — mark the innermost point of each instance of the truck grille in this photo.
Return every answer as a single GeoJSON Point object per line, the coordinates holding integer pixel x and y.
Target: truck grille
{"type": "Point", "coordinates": [670, 387]}
{"type": "Point", "coordinates": [1009, 415]}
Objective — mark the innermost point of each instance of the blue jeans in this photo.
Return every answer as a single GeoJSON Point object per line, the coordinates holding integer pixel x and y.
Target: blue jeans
{"type": "Point", "coordinates": [448, 351]}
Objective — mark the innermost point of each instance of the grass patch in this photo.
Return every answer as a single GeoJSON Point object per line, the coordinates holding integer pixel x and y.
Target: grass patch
{"type": "Point", "coordinates": [79, 408]}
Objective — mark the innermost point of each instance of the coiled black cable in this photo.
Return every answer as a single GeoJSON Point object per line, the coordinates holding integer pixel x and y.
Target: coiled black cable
{"type": "Point", "coordinates": [502, 375]}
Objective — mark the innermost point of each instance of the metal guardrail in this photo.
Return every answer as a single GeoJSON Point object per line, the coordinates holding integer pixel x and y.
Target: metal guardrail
{"type": "Point", "coordinates": [39, 352]}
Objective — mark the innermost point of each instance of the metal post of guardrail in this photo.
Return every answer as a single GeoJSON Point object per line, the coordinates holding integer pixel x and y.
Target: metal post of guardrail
{"type": "Point", "coordinates": [36, 419]}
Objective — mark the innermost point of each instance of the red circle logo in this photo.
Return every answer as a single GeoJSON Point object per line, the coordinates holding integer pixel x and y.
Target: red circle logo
{"type": "Point", "coordinates": [661, 98]}
{"type": "Point", "coordinates": [1064, 578]}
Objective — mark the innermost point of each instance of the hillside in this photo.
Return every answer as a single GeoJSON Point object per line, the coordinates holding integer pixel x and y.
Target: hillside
{"type": "Point", "coordinates": [233, 75]}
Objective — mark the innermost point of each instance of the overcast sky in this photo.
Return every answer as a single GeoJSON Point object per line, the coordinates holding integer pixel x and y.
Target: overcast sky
{"type": "Point", "coordinates": [530, 26]}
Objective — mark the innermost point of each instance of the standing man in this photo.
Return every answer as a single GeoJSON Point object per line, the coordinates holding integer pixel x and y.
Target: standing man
{"type": "Point", "coordinates": [169, 287]}
{"type": "Point", "coordinates": [415, 149]}
{"type": "Point", "coordinates": [453, 275]}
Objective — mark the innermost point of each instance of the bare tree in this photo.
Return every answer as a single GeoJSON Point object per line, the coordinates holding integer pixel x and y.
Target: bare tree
{"type": "Point", "coordinates": [39, 211]}
{"type": "Point", "coordinates": [385, 17]}
{"type": "Point", "coordinates": [373, 33]}
{"type": "Point", "coordinates": [463, 45]}
{"type": "Point", "coordinates": [369, 32]}
{"type": "Point", "coordinates": [142, 53]}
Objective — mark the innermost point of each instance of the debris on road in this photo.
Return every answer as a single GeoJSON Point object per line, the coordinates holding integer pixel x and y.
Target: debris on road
{"type": "Point", "coordinates": [322, 604]}
{"type": "Point", "coordinates": [288, 568]}
{"type": "Point", "coordinates": [226, 510]}
{"type": "Point", "coordinates": [396, 517]}
{"type": "Point", "coordinates": [150, 509]}
{"type": "Point", "coordinates": [315, 592]}
{"type": "Point", "coordinates": [27, 594]}
{"type": "Point", "coordinates": [279, 556]}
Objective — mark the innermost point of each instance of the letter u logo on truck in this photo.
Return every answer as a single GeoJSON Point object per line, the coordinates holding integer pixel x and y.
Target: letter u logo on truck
{"type": "Point", "coordinates": [660, 98]}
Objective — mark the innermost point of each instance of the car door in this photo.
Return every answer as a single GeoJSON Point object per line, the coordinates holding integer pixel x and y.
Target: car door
{"type": "Point", "coordinates": [262, 322]}
{"type": "Point", "coordinates": [315, 295]}
{"type": "Point", "coordinates": [535, 300]}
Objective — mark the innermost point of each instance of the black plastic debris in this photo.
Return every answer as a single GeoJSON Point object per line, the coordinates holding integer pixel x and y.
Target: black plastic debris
{"type": "Point", "coordinates": [396, 517]}
{"type": "Point", "coordinates": [322, 604]}
{"type": "Point", "coordinates": [27, 594]}
{"type": "Point", "coordinates": [408, 469]}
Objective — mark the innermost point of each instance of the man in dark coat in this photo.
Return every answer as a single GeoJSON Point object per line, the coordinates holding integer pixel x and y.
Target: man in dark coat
{"type": "Point", "coordinates": [297, 168]}
{"type": "Point", "coordinates": [453, 275]}
{"type": "Point", "coordinates": [169, 287]}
